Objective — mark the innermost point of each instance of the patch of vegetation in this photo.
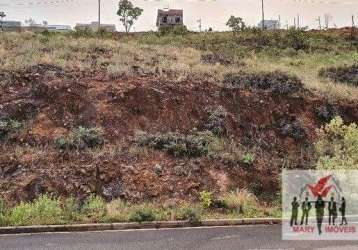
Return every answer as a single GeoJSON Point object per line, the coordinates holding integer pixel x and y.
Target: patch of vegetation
{"type": "Point", "coordinates": [143, 213]}
{"type": "Point", "coordinates": [293, 129]}
{"type": "Point", "coordinates": [81, 138]}
{"type": "Point", "coordinates": [216, 58]}
{"type": "Point", "coordinates": [195, 144]}
{"type": "Point", "coordinates": [337, 145]}
{"type": "Point", "coordinates": [243, 202]}
{"type": "Point", "coordinates": [216, 120]}
{"type": "Point", "coordinates": [190, 213]}
{"type": "Point", "coordinates": [178, 30]}
{"type": "Point", "coordinates": [342, 74]}
{"type": "Point", "coordinates": [8, 126]}
{"type": "Point", "coordinates": [248, 159]}
{"type": "Point", "coordinates": [278, 82]}
{"type": "Point", "coordinates": [3, 210]}
{"type": "Point", "coordinates": [42, 211]}
{"type": "Point", "coordinates": [326, 112]}
{"type": "Point", "coordinates": [94, 208]}
{"type": "Point", "coordinates": [206, 198]}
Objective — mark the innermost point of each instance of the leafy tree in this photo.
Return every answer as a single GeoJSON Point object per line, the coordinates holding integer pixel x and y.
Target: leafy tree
{"type": "Point", "coordinates": [236, 24]}
{"type": "Point", "coordinates": [128, 13]}
{"type": "Point", "coordinates": [337, 146]}
{"type": "Point", "coordinates": [2, 16]}
{"type": "Point", "coordinates": [30, 21]}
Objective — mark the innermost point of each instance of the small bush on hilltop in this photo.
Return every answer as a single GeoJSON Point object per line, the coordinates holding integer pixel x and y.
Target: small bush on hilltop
{"type": "Point", "coordinates": [176, 144]}
{"type": "Point", "coordinates": [81, 138]}
{"type": "Point", "coordinates": [278, 82]}
{"type": "Point", "coordinates": [343, 74]}
{"type": "Point", "coordinates": [8, 126]}
{"type": "Point", "coordinates": [179, 30]}
{"type": "Point", "coordinates": [337, 146]}
{"type": "Point", "coordinates": [296, 39]}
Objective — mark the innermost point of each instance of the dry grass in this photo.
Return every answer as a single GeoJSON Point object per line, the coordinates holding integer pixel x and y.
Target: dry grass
{"type": "Point", "coordinates": [178, 64]}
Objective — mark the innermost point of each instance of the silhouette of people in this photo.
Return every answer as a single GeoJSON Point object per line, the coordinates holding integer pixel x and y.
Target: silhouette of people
{"type": "Point", "coordinates": [342, 209]}
{"type": "Point", "coordinates": [332, 211]}
{"type": "Point", "coordinates": [294, 214]}
{"type": "Point", "coordinates": [306, 207]}
{"type": "Point", "coordinates": [319, 212]}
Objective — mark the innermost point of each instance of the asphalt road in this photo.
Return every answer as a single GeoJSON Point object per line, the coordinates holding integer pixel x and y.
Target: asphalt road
{"type": "Point", "coordinates": [238, 238]}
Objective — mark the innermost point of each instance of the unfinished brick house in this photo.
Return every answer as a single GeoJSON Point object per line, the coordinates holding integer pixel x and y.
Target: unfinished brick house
{"type": "Point", "coordinates": [169, 17]}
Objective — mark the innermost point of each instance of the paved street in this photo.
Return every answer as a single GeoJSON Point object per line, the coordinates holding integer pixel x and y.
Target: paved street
{"type": "Point", "coordinates": [243, 237]}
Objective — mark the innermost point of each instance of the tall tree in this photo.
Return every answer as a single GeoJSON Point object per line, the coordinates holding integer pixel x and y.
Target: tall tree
{"type": "Point", "coordinates": [236, 24]}
{"type": "Point", "coordinates": [128, 13]}
{"type": "Point", "coordinates": [2, 16]}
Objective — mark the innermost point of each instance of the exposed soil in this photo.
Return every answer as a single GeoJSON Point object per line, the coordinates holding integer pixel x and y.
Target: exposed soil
{"type": "Point", "coordinates": [50, 102]}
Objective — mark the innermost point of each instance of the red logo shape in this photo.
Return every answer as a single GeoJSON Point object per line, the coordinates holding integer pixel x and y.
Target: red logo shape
{"type": "Point", "coordinates": [319, 188]}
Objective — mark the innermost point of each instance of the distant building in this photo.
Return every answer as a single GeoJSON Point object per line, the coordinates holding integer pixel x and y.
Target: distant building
{"type": "Point", "coordinates": [58, 28]}
{"type": "Point", "coordinates": [93, 26]}
{"type": "Point", "coordinates": [169, 18]}
{"type": "Point", "coordinates": [11, 25]}
{"type": "Point", "coordinates": [270, 24]}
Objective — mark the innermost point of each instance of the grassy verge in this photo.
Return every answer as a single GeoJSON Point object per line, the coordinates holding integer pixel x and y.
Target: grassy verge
{"type": "Point", "coordinates": [47, 210]}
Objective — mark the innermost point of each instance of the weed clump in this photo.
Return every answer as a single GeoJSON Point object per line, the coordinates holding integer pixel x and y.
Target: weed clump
{"type": "Point", "coordinates": [278, 82]}
{"type": "Point", "coordinates": [216, 58]}
{"type": "Point", "coordinates": [342, 74]}
{"type": "Point", "coordinates": [8, 126]}
{"type": "Point", "coordinates": [81, 138]}
{"type": "Point", "coordinates": [143, 213]}
{"type": "Point", "coordinates": [293, 129]}
{"type": "Point", "coordinates": [326, 112]}
{"type": "Point", "coordinates": [176, 144]}
{"type": "Point", "coordinates": [216, 120]}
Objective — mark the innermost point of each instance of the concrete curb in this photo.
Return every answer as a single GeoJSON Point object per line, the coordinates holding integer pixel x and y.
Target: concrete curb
{"type": "Point", "coordinates": [143, 225]}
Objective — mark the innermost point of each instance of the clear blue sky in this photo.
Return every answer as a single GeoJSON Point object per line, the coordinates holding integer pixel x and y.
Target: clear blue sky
{"type": "Point", "coordinates": [213, 13]}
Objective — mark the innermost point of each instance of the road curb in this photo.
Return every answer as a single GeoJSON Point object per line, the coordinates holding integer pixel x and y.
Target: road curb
{"type": "Point", "coordinates": [134, 225]}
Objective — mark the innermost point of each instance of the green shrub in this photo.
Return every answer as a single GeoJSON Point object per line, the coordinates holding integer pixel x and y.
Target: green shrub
{"type": "Point", "coordinates": [242, 202]}
{"type": "Point", "coordinates": [176, 144]}
{"type": "Point", "coordinates": [71, 209]}
{"type": "Point", "coordinates": [248, 159]}
{"type": "Point", "coordinates": [296, 39]}
{"type": "Point", "coordinates": [81, 138]}
{"type": "Point", "coordinates": [143, 213]}
{"type": "Point", "coordinates": [206, 198]}
{"type": "Point", "coordinates": [8, 126]}
{"type": "Point", "coordinates": [337, 145]}
{"type": "Point", "coordinates": [175, 30]}
{"type": "Point", "coordinates": [94, 208]}
{"type": "Point", "coordinates": [189, 213]}
{"type": "Point", "coordinates": [42, 211]}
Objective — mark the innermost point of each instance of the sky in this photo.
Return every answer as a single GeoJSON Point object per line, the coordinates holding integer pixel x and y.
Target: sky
{"type": "Point", "coordinates": [213, 13]}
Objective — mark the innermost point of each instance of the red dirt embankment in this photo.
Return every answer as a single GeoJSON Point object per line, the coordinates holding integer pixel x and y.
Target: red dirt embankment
{"type": "Point", "coordinates": [50, 102]}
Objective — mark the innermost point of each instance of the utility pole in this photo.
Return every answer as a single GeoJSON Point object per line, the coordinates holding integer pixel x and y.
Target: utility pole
{"type": "Point", "coordinates": [99, 15]}
{"type": "Point", "coordinates": [199, 21]}
{"type": "Point", "coordinates": [294, 22]}
{"type": "Point", "coordinates": [298, 21]}
{"type": "Point", "coordinates": [279, 21]}
{"type": "Point", "coordinates": [263, 14]}
{"type": "Point", "coordinates": [319, 23]}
